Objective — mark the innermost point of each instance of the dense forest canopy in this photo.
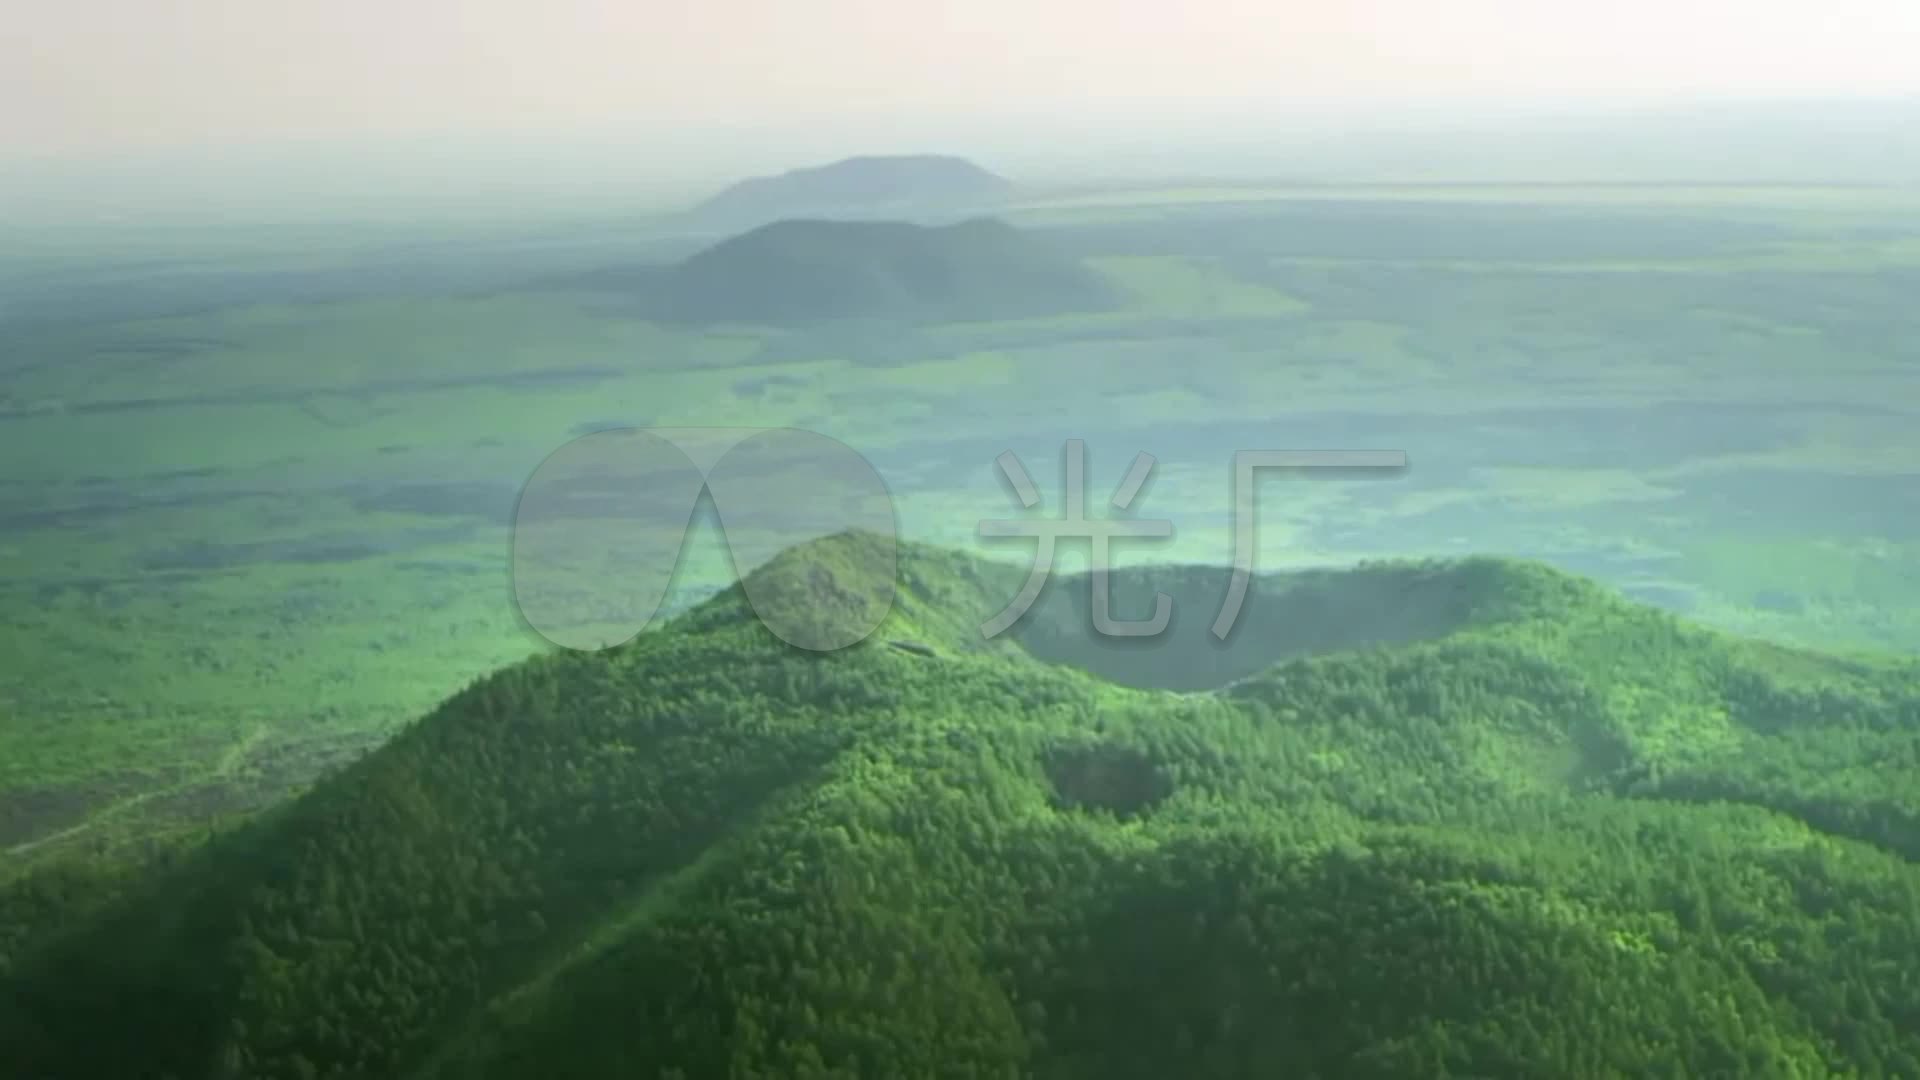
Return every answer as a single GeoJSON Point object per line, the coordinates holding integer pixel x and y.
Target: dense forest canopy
{"type": "Point", "coordinates": [1444, 818]}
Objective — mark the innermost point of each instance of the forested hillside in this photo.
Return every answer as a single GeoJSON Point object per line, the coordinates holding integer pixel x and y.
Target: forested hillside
{"type": "Point", "coordinates": [1474, 818]}
{"type": "Point", "coordinates": [804, 272]}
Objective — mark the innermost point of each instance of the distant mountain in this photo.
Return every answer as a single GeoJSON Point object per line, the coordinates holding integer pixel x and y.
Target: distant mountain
{"type": "Point", "coordinates": [808, 271]}
{"type": "Point", "coordinates": [858, 188]}
{"type": "Point", "coordinates": [1464, 818]}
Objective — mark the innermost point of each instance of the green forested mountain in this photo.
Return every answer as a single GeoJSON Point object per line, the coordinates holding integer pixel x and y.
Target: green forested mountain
{"type": "Point", "coordinates": [1467, 819]}
{"type": "Point", "coordinates": [805, 271]}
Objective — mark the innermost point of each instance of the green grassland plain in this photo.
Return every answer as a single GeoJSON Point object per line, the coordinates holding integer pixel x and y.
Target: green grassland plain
{"type": "Point", "coordinates": [255, 503]}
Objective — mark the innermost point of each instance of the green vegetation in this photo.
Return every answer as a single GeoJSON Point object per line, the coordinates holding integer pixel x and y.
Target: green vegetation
{"type": "Point", "coordinates": [1438, 818]}
{"type": "Point", "coordinates": [257, 483]}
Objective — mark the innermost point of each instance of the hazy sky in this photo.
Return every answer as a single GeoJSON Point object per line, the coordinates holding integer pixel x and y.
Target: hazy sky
{"type": "Point", "coordinates": [264, 109]}
{"type": "Point", "coordinates": [81, 76]}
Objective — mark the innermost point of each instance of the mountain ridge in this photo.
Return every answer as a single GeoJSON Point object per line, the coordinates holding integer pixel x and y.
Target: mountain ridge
{"type": "Point", "coordinates": [864, 186]}
{"type": "Point", "coordinates": [799, 271]}
{"type": "Point", "coordinates": [1490, 830]}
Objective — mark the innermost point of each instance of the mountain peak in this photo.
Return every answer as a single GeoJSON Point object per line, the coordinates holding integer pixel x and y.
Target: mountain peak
{"type": "Point", "coordinates": [859, 187]}
{"type": "Point", "coordinates": [810, 270]}
{"type": "Point", "coordinates": [944, 856]}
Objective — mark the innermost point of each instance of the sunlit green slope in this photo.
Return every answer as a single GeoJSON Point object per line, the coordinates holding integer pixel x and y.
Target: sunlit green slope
{"type": "Point", "coordinates": [1471, 818]}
